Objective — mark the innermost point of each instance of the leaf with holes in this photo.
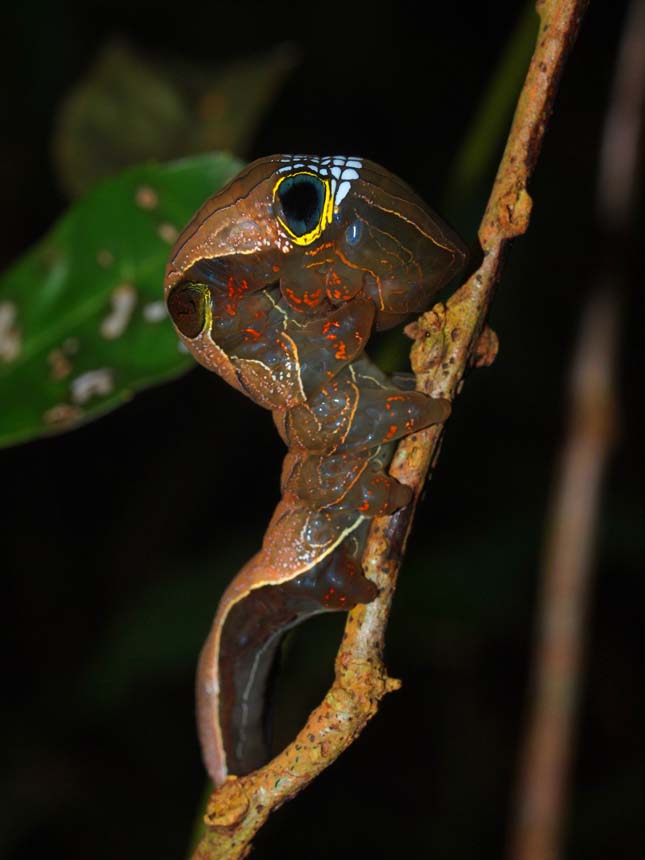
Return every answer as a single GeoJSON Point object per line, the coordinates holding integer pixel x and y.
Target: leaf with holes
{"type": "Point", "coordinates": [82, 320]}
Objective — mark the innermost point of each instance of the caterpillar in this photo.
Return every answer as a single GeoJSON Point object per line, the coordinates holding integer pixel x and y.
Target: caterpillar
{"type": "Point", "coordinates": [276, 284]}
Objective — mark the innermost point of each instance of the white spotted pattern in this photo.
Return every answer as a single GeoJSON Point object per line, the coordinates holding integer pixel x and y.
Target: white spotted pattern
{"type": "Point", "coordinates": [93, 383]}
{"type": "Point", "coordinates": [340, 168]}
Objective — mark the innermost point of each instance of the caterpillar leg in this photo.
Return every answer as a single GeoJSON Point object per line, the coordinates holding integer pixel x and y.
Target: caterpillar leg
{"type": "Point", "coordinates": [346, 415]}
{"type": "Point", "coordinates": [384, 416]}
{"type": "Point", "coordinates": [352, 480]}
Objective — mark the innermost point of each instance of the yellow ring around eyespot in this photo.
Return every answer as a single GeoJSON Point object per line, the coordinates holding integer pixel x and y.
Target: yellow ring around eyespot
{"type": "Point", "coordinates": [325, 215]}
{"type": "Point", "coordinates": [208, 315]}
{"type": "Point", "coordinates": [208, 308]}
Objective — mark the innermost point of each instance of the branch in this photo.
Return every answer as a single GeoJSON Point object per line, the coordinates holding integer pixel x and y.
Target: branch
{"type": "Point", "coordinates": [565, 586]}
{"type": "Point", "coordinates": [448, 339]}
{"type": "Point", "coordinates": [567, 566]}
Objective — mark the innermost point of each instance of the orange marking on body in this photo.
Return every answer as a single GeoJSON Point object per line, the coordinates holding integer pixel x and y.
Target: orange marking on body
{"type": "Point", "coordinates": [345, 294]}
{"type": "Point", "coordinates": [316, 264]}
{"type": "Point", "coordinates": [253, 333]}
{"type": "Point", "coordinates": [285, 346]}
{"type": "Point", "coordinates": [341, 352]}
{"type": "Point", "coordinates": [329, 324]}
{"type": "Point", "coordinates": [392, 398]}
{"type": "Point", "coordinates": [391, 431]}
{"type": "Point", "coordinates": [364, 507]}
{"type": "Point", "coordinates": [379, 283]}
{"type": "Point", "coordinates": [235, 291]}
{"type": "Point", "coordinates": [313, 299]}
{"type": "Point", "coordinates": [323, 245]}
{"type": "Point", "coordinates": [292, 296]}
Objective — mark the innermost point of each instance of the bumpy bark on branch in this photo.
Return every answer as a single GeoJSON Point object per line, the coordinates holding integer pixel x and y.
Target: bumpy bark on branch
{"type": "Point", "coordinates": [447, 339]}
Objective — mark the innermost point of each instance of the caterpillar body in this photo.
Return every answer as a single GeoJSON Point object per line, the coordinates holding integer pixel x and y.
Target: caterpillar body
{"type": "Point", "coordinates": [276, 284]}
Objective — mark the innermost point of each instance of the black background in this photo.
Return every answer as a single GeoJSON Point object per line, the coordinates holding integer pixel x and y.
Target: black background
{"type": "Point", "coordinates": [119, 537]}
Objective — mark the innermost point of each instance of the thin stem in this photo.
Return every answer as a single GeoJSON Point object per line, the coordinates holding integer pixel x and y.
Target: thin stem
{"type": "Point", "coordinates": [568, 560]}
{"type": "Point", "coordinates": [566, 574]}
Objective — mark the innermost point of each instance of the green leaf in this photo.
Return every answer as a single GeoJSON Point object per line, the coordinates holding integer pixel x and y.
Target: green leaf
{"type": "Point", "coordinates": [82, 320]}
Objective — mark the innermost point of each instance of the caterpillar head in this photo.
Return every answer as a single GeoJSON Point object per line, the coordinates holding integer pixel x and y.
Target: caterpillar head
{"type": "Point", "coordinates": [312, 232]}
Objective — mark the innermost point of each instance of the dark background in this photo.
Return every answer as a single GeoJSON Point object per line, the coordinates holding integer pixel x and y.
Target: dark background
{"type": "Point", "coordinates": [119, 537]}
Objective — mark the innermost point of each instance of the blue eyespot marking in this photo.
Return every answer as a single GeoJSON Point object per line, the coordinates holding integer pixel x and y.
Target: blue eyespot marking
{"type": "Point", "coordinates": [353, 233]}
